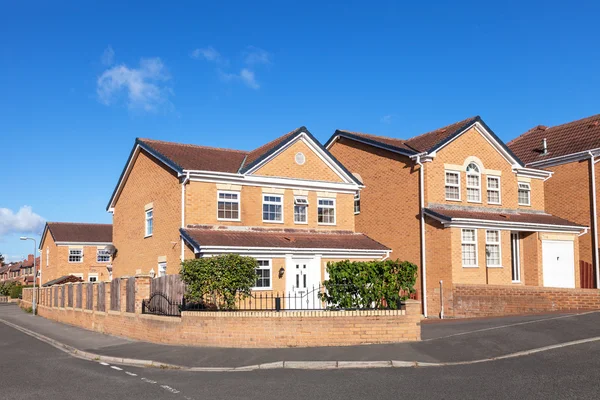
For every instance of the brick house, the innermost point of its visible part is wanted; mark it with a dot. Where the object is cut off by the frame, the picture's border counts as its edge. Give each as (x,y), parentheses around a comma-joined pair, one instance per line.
(570,151)
(19,271)
(460,204)
(80,249)
(288,203)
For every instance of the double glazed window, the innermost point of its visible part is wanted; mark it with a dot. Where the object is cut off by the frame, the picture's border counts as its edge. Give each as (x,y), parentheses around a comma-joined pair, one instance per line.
(469,248)
(102,256)
(524,194)
(493,189)
(326,211)
(492,249)
(263,275)
(272,208)
(357,203)
(452,185)
(149,222)
(300,210)
(75,255)
(228,206)
(473,183)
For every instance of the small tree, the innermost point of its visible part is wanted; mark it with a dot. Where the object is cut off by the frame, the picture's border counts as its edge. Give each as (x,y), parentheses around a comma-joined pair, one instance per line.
(1,260)
(219,280)
(369,284)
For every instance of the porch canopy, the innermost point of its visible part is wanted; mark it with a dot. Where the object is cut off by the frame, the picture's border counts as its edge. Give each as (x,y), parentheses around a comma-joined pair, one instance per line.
(517,220)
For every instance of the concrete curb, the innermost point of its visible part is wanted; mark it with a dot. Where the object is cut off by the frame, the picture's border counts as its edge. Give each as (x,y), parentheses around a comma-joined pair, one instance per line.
(302,365)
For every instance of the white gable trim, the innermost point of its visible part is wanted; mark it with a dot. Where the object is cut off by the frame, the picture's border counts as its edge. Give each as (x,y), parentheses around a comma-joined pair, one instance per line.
(316,149)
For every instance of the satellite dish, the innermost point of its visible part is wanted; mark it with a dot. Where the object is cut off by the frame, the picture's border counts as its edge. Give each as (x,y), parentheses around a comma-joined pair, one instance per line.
(110,249)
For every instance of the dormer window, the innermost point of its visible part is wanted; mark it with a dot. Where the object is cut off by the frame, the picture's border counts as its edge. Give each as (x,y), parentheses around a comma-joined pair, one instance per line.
(473,183)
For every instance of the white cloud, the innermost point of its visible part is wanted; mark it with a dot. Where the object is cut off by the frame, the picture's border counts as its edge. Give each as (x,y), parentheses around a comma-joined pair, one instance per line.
(23,221)
(209,54)
(245,76)
(145,86)
(386,119)
(108,57)
(255,56)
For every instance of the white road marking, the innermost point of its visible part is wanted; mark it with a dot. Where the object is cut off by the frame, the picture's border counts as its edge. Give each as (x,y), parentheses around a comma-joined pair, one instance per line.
(148,380)
(130,373)
(117,368)
(103,363)
(170,389)
(509,325)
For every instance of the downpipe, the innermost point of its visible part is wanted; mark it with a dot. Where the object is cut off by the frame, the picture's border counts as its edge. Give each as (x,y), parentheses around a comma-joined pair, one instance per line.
(441,299)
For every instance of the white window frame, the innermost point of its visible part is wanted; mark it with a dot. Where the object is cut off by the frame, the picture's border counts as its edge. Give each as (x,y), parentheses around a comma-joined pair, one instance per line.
(478,187)
(488,189)
(357,201)
(267,267)
(456,185)
(528,193)
(92,275)
(161,271)
(515,262)
(98,250)
(333,206)
(146,219)
(301,201)
(280,203)
(238,201)
(462,242)
(489,243)
(75,262)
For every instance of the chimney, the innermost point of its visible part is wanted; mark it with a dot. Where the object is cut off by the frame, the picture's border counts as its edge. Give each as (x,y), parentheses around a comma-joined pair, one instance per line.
(544,147)
(30,258)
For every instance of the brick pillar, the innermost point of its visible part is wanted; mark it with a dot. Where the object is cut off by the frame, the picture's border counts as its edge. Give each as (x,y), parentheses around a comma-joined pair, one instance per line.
(107,297)
(123,288)
(413,307)
(142,291)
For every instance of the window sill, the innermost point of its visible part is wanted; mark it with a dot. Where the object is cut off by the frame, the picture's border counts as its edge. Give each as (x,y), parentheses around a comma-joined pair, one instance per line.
(301,223)
(327,224)
(272,222)
(457,200)
(470,266)
(147,236)
(525,205)
(474,201)
(494,204)
(356,213)
(229,220)
(495,266)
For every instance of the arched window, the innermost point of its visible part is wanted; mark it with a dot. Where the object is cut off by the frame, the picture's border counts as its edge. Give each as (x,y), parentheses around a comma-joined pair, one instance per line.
(473,183)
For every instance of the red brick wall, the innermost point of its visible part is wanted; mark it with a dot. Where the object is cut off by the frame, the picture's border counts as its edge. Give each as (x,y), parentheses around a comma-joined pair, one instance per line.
(485,301)
(242,329)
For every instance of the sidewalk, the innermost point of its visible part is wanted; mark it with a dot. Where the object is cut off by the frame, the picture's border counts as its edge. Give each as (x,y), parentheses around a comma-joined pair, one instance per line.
(444,341)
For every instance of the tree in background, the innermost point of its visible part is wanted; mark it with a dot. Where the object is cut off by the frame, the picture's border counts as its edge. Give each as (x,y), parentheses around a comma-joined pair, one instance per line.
(218,281)
(1,260)
(369,284)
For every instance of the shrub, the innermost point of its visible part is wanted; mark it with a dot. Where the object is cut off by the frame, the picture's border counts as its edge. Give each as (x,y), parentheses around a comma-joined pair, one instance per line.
(369,284)
(218,280)
(16,291)
(5,288)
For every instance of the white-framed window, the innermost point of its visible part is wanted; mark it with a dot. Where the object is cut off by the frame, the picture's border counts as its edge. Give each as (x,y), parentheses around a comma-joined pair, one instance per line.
(452,185)
(92,277)
(75,255)
(272,208)
(493,190)
(102,256)
(326,211)
(149,222)
(263,275)
(300,210)
(357,203)
(469,247)
(228,206)
(473,183)
(524,194)
(493,255)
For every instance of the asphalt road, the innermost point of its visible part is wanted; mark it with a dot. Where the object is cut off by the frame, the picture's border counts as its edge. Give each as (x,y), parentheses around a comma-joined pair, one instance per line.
(30,369)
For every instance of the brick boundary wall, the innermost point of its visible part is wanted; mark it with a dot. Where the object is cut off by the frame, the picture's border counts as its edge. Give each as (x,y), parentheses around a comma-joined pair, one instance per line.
(491,300)
(261,329)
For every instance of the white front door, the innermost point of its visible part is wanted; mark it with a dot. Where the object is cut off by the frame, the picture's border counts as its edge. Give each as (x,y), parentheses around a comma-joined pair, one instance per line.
(558,263)
(302,284)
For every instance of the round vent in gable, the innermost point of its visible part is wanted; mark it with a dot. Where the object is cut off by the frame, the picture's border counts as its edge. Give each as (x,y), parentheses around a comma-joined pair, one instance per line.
(300,158)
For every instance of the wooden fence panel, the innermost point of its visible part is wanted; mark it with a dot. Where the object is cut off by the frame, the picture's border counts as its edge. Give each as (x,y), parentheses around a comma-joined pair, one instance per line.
(169,285)
(63,293)
(115,295)
(70,296)
(79,295)
(101,301)
(89,297)
(586,275)
(130,295)
(55,289)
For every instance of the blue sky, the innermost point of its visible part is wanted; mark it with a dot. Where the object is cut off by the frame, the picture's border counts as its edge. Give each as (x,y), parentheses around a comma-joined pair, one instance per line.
(78,82)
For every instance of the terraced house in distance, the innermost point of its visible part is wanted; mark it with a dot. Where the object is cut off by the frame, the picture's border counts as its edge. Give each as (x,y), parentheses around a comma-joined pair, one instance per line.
(570,151)
(288,203)
(460,204)
(77,249)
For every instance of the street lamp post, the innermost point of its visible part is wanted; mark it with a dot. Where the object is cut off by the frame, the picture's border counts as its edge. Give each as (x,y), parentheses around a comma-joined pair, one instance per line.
(33,306)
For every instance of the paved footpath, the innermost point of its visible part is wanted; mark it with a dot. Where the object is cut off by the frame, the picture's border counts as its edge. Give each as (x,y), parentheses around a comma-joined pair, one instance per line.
(448,341)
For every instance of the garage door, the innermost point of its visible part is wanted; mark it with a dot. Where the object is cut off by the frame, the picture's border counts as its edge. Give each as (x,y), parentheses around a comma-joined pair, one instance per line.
(558,263)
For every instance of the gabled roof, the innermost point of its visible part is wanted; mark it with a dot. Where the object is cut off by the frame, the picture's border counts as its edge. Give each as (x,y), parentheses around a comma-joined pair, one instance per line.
(570,138)
(188,157)
(425,143)
(78,232)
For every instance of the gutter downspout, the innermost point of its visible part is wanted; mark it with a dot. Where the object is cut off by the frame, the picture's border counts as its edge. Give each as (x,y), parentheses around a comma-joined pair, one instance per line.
(595,220)
(185,181)
(422,213)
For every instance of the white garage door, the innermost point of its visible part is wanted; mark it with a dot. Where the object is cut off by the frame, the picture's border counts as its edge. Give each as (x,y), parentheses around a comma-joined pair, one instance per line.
(557,258)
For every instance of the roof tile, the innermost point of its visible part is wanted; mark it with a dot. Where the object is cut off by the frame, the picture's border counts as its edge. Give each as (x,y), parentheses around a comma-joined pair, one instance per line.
(80,232)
